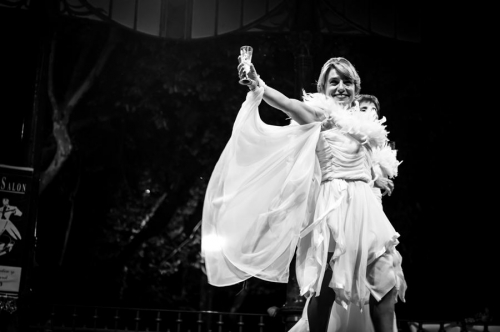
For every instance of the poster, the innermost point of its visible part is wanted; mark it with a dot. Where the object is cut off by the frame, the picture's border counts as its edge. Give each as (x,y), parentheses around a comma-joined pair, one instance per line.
(15,192)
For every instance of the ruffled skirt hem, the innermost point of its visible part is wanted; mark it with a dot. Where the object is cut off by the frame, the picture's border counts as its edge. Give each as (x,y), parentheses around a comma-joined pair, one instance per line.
(362,240)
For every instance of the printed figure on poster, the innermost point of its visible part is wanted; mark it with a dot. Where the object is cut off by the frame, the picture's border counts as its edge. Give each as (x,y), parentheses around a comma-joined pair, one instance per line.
(6,211)
(15,189)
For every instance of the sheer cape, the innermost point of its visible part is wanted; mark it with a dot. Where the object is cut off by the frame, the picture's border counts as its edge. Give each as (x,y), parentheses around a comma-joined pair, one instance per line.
(260,195)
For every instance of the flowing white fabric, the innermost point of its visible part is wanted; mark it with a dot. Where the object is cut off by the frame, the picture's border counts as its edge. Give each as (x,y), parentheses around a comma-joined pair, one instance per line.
(258,199)
(351,319)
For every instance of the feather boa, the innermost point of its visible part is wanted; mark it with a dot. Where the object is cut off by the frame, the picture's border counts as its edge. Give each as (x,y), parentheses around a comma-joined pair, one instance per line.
(353,121)
(385,157)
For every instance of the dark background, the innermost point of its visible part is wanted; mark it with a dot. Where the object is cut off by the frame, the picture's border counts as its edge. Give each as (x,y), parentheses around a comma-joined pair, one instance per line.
(432,94)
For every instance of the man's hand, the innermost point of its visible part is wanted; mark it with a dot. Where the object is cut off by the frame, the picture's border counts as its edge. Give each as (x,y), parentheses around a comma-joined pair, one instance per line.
(387,185)
(273,311)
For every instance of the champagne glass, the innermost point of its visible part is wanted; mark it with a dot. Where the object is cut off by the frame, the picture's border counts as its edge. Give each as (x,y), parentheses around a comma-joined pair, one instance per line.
(246,58)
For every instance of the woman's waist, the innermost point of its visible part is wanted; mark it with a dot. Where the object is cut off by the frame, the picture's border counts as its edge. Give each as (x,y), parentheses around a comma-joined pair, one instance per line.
(358,173)
(347,176)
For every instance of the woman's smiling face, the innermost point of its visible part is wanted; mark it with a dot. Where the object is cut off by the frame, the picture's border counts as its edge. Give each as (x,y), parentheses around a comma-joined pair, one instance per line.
(339,87)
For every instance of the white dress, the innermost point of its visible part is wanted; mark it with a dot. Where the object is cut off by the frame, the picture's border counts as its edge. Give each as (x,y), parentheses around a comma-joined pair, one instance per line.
(385,164)
(278,189)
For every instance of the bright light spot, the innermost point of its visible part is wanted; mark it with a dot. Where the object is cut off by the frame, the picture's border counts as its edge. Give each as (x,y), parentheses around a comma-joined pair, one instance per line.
(212,243)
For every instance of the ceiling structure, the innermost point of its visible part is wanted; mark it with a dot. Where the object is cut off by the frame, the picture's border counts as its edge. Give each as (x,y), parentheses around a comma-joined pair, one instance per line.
(195,19)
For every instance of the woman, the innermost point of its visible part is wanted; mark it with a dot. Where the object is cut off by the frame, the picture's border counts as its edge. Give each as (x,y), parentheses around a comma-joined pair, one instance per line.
(277,190)
(384,167)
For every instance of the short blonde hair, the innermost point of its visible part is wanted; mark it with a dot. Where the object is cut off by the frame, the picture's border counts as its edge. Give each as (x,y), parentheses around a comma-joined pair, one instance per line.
(343,67)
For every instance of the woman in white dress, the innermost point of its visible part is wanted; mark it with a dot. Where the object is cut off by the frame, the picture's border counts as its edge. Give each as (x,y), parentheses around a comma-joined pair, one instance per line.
(305,189)
(384,168)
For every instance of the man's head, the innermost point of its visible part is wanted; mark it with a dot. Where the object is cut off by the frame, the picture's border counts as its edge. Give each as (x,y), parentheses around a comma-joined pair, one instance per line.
(368,103)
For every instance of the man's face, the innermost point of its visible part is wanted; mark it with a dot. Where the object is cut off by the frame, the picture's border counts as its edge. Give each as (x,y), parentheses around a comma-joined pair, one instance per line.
(339,87)
(369,107)
(5,201)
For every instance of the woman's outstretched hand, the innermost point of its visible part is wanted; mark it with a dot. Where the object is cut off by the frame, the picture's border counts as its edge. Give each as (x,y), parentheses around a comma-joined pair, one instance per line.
(330,122)
(252,73)
(327,124)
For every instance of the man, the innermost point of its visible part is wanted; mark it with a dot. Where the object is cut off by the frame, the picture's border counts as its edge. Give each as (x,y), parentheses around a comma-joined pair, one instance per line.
(381,176)
(369,103)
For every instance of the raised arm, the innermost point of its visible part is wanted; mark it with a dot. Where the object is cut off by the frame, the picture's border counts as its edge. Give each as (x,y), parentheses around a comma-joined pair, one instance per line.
(295,109)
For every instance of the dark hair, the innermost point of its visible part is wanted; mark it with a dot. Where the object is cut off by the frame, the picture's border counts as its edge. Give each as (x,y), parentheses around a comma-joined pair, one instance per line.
(343,67)
(371,99)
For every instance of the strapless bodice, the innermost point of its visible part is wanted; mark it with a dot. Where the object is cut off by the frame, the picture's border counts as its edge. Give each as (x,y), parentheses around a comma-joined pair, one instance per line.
(343,157)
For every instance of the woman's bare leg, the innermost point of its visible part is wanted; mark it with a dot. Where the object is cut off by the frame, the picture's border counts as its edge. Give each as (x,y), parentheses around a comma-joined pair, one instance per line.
(320,307)
(382,312)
